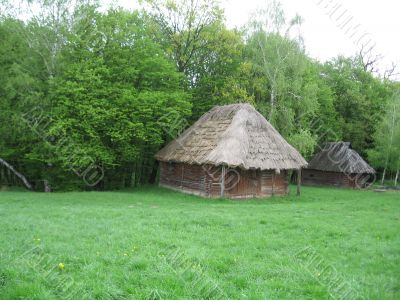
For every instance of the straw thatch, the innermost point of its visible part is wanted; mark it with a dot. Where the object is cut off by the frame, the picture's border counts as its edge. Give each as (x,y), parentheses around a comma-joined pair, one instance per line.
(234,135)
(339,157)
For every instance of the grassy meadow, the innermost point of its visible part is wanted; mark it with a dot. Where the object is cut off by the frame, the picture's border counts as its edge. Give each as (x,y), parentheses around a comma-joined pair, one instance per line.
(152,243)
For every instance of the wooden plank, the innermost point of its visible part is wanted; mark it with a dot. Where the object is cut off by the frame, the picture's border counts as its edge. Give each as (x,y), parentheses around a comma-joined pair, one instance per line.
(222,181)
(317,177)
(298,181)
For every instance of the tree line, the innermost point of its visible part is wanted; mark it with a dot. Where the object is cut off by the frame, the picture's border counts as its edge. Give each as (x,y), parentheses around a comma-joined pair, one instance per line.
(83,89)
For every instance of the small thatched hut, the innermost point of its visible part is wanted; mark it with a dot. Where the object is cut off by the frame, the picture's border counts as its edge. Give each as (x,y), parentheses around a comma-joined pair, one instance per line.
(338,165)
(231,151)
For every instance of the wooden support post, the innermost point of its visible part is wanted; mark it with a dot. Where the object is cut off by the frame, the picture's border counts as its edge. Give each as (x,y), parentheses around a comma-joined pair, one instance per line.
(183,165)
(273,182)
(222,181)
(298,181)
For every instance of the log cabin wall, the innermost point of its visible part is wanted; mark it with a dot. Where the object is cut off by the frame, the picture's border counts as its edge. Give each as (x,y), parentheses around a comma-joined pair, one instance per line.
(183,177)
(242,184)
(274,184)
(205,181)
(317,177)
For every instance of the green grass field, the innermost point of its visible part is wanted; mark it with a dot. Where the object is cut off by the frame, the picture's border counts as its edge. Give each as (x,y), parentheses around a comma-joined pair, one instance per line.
(153,243)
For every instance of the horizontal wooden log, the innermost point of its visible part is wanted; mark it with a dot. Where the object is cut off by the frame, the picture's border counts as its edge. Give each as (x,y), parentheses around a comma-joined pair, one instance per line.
(205,180)
(317,177)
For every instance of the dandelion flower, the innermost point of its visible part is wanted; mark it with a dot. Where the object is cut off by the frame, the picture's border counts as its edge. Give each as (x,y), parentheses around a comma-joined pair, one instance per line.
(61,266)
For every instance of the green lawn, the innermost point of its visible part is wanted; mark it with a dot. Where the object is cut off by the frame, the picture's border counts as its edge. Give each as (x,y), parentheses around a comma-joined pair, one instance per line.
(152,243)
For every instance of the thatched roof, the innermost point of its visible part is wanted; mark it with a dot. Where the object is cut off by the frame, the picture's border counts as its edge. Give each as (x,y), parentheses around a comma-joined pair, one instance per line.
(339,157)
(235,135)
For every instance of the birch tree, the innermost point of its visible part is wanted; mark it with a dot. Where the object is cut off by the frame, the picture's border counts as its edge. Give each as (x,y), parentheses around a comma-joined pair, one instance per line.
(48,22)
(386,153)
(285,83)
(277,43)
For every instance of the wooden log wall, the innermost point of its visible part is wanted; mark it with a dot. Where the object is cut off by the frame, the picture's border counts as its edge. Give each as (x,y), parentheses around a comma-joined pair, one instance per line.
(274,184)
(247,186)
(317,177)
(206,181)
(185,177)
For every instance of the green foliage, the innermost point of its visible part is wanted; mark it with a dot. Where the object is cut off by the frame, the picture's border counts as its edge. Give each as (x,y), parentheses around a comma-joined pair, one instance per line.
(359,99)
(21,89)
(304,142)
(288,90)
(109,97)
(81,87)
(195,37)
(386,151)
(111,87)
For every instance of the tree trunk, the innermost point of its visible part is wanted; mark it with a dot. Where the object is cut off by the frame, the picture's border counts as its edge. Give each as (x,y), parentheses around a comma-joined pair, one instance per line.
(153,174)
(47,187)
(272,105)
(383,176)
(19,175)
(396,178)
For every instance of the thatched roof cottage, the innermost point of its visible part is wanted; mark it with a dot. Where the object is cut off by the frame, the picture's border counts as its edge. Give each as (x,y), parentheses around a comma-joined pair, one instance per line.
(231,151)
(337,164)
